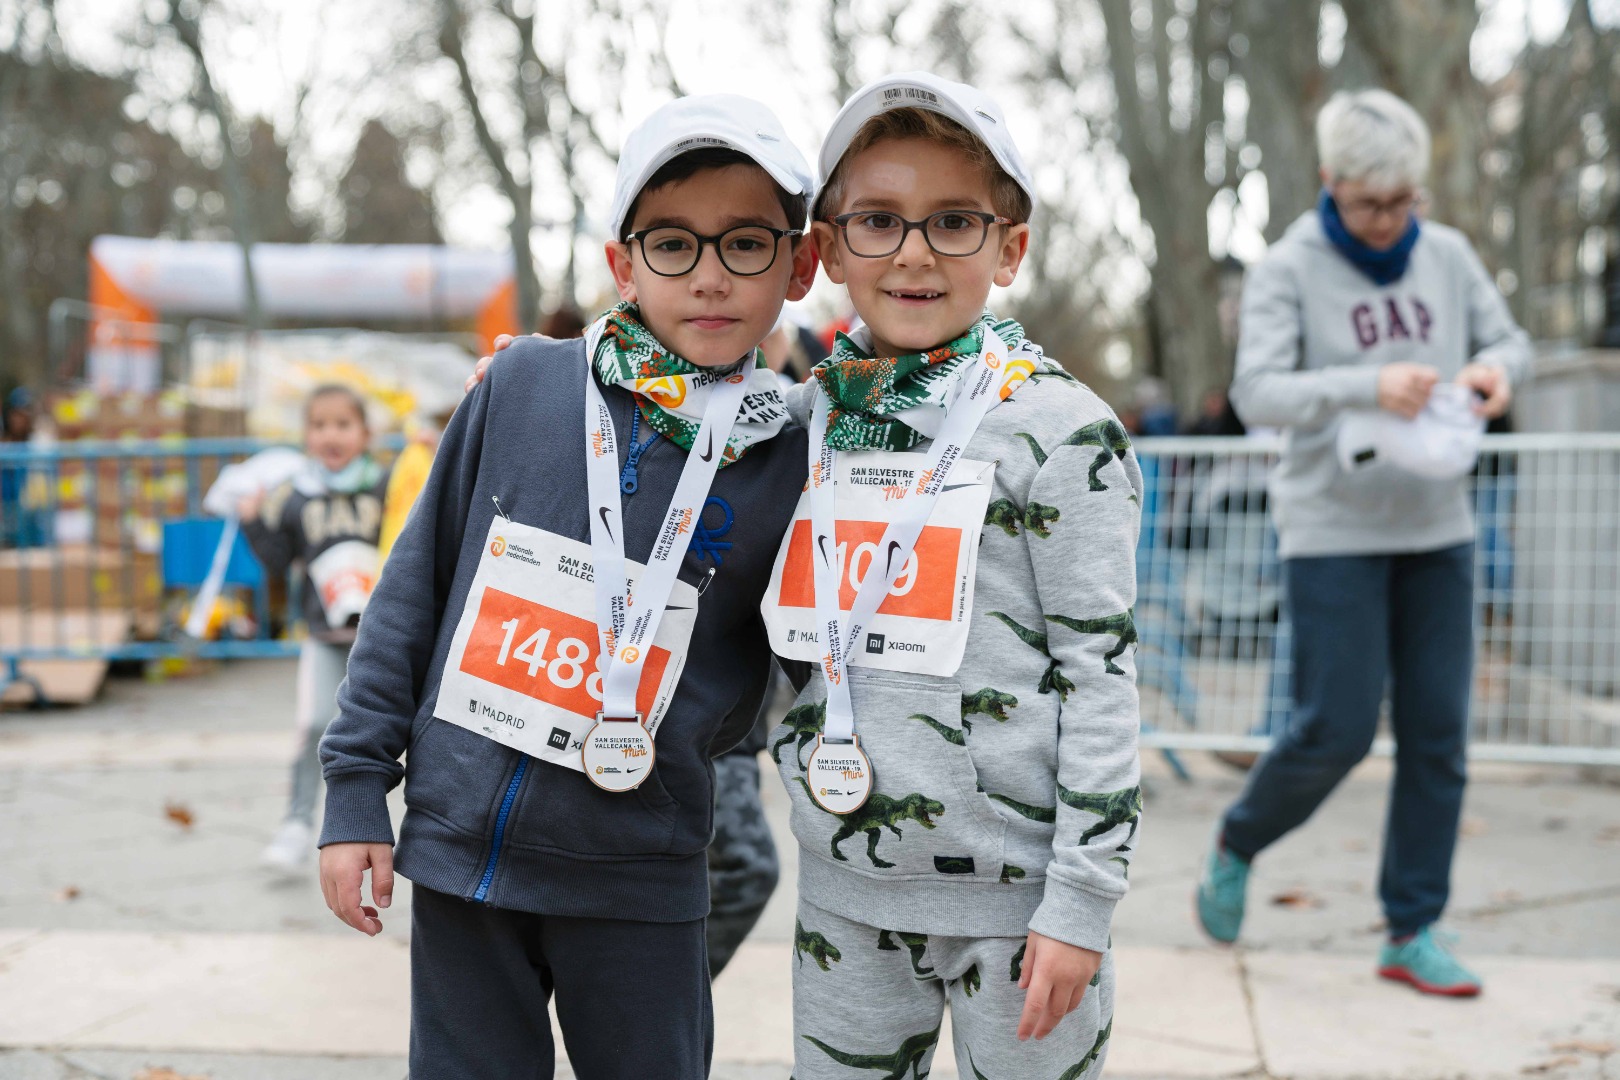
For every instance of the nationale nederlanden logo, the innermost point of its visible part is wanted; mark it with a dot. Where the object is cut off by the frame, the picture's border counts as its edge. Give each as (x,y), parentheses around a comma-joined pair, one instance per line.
(497,547)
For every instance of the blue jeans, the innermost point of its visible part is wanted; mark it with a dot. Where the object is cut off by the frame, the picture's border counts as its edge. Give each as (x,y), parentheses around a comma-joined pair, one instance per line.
(1361,622)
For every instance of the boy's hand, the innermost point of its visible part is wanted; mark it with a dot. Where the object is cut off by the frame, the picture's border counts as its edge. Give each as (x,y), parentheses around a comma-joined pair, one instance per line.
(1055,976)
(501,342)
(342,866)
(1403,388)
(248,506)
(1490,382)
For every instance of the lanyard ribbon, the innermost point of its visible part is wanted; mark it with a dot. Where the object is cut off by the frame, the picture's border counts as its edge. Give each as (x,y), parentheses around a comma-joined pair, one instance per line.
(980,391)
(627,620)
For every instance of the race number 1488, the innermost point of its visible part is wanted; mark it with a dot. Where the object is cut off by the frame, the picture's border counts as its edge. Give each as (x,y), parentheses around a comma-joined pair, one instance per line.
(546,654)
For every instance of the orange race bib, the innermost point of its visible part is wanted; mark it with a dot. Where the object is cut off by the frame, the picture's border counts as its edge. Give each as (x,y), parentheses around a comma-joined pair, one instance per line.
(525,663)
(921,625)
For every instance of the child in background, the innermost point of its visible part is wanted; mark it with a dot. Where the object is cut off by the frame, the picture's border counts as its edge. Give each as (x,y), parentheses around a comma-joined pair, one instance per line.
(327,519)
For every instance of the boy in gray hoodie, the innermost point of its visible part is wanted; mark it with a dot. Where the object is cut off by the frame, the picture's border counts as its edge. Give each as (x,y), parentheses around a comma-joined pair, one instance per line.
(963,768)
(556,848)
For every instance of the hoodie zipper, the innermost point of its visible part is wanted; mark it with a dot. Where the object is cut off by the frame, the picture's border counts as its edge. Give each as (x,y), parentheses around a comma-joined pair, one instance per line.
(500,829)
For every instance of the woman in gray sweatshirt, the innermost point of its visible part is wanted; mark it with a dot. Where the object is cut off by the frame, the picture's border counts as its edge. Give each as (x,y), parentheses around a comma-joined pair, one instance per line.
(1362,306)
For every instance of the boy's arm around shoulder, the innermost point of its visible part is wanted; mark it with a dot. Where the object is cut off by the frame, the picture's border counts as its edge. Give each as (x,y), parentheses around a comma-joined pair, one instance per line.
(275,533)
(1085,581)
(390,662)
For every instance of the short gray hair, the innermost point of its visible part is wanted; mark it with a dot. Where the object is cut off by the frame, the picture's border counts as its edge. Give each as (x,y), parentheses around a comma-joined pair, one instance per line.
(1374,137)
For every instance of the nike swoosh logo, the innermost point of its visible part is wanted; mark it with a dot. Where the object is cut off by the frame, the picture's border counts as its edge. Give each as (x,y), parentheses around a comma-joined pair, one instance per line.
(888,560)
(606,524)
(708,451)
(821,542)
(953,487)
(631,772)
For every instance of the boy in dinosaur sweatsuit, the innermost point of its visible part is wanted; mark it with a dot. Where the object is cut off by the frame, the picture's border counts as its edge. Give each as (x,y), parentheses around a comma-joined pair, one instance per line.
(984,867)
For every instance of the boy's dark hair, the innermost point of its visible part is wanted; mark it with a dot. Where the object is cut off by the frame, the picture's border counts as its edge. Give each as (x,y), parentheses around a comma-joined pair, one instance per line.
(689,164)
(1009,199)
(338,390)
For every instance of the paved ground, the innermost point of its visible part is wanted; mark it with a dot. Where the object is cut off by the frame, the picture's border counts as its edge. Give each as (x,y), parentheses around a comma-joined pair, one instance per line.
(139,941)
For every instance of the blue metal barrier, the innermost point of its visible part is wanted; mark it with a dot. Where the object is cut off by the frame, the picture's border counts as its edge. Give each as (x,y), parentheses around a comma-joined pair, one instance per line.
(97,539)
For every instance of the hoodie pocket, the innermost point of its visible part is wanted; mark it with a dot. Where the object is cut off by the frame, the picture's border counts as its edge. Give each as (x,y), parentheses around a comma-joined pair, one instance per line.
(566,812)
(927,817)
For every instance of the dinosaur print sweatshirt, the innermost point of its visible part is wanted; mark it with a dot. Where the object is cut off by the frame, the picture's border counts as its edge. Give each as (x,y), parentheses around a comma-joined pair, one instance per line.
(1007,795)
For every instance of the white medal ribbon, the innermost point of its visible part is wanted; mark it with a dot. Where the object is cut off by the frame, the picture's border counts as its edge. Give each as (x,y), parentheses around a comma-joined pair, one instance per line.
(626,623)
(980,391)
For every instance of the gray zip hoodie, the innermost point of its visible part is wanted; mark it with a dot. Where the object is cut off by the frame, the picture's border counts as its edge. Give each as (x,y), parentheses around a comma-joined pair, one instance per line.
(1006,796)
(1315,331)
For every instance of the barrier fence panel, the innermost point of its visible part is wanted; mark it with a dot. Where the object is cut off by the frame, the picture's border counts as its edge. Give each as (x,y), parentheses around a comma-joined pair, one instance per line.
(102,544)
(1212,659)
(84,573)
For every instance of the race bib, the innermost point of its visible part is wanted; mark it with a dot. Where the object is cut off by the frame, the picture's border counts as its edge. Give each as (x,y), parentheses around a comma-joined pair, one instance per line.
(921,626)
(524,663)
(344,575)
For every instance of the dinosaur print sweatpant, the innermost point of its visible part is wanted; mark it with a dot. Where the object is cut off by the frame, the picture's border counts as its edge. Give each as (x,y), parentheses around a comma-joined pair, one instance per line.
(868,1002)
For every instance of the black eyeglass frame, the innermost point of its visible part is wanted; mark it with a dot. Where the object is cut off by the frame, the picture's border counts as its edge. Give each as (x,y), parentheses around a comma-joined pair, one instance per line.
(984,219)
(713,240)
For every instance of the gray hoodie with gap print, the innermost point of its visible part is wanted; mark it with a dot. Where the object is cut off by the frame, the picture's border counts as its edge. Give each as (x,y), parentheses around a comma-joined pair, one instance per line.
(1006,796)
(1315,332)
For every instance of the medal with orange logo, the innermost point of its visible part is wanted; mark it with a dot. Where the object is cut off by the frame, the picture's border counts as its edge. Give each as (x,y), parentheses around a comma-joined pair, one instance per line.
(839,774)
(618,751)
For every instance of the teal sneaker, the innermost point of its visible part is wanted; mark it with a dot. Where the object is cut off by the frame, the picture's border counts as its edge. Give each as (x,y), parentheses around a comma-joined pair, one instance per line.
(1221,894)
(1424,960)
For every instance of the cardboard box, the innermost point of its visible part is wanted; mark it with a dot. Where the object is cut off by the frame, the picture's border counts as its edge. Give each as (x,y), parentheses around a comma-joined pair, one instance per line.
(72,577)
(64,682)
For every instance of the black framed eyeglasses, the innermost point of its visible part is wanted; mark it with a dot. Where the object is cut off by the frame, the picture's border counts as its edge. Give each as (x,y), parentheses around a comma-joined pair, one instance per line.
(746,250)
(876,234)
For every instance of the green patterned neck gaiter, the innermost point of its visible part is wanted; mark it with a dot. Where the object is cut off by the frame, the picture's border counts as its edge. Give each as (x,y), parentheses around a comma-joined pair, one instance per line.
(869,393)
(672,393)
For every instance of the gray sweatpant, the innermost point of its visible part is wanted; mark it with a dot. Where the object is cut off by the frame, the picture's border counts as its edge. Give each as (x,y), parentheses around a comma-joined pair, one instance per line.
(866,998)
(321,667)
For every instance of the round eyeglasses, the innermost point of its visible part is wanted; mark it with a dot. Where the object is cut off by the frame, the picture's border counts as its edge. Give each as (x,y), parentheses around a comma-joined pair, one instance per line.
(747,250)
(876,234)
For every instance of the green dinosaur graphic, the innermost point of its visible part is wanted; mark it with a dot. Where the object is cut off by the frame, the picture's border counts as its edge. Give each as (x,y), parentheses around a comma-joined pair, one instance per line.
(1124,866)
(1011,873)
(1079,1070)
(977,1075)
(1005,513)
(970,980)
(989,701)
(1052,373)
(1122,807)
(804,723)
(1096,976)
(1053,679)
(880,812)
(1122,626)
(909,1055)
(916,944)
(1106,435)
(1039,517)
(1047,814)
(1034,448)
(1008,515)
(1017,969)
(820,949)
(954,736)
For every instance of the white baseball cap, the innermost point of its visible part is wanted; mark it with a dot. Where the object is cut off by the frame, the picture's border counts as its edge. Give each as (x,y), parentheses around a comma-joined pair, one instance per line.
(970,107)
(707,120)
(1441,443)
